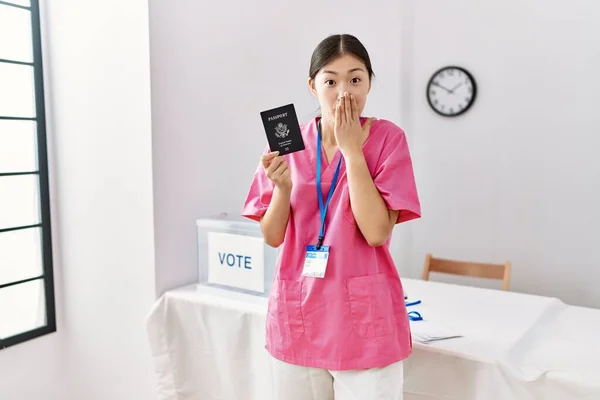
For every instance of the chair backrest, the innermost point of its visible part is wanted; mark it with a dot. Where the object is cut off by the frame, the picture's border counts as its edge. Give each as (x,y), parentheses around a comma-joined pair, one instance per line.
(466,268)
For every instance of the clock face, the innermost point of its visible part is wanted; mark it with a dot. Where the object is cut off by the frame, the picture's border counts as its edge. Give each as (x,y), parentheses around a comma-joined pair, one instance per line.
(451,91)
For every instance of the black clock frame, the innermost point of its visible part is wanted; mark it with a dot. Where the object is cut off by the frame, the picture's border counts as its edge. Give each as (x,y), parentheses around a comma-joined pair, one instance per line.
(473,96)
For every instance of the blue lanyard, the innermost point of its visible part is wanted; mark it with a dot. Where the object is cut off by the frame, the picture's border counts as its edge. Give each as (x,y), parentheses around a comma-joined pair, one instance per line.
(323,207)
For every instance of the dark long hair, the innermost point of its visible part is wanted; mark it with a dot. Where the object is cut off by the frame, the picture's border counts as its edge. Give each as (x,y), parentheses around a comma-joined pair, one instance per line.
(335,46)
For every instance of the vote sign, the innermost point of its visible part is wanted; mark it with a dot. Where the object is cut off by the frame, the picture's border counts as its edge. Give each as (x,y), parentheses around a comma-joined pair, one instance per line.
(236,261)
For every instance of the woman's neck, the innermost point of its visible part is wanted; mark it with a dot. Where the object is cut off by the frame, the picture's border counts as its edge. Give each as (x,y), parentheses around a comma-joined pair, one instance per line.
(327,133)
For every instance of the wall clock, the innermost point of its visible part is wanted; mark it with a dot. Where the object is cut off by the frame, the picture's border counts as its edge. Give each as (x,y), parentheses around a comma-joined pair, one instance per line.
(451,91)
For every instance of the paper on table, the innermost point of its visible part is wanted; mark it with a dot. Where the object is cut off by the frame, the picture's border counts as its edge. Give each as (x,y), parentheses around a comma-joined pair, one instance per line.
(426,331)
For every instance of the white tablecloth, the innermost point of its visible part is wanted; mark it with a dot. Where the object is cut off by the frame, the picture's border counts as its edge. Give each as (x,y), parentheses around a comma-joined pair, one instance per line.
(208,343)
(560,357)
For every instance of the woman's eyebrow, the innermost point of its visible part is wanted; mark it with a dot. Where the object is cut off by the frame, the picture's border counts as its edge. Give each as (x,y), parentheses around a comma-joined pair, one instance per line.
(349,71)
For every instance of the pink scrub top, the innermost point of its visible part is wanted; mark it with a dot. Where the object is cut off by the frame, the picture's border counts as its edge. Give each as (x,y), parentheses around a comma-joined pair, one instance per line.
(355,317)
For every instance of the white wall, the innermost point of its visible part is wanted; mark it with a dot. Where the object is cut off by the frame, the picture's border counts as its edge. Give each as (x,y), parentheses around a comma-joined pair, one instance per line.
(514,178)
(518,176)
(213,70)
(100,85)
(34,370)
(98,88)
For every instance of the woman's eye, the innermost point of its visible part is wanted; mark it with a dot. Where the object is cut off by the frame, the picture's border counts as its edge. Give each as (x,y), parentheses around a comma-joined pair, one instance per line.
(355,80)
(329,82)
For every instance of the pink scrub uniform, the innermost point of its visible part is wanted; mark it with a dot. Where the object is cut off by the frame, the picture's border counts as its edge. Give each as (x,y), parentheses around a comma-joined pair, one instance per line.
(354,317)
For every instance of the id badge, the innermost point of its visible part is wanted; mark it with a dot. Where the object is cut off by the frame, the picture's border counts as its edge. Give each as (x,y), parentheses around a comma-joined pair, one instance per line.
(315,262)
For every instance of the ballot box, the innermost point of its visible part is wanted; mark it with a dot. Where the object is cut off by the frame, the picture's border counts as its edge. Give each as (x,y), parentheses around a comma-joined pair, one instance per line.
(232,254)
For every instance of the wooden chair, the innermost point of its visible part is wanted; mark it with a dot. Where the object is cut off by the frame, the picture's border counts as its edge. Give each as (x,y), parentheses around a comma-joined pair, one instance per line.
(465,268)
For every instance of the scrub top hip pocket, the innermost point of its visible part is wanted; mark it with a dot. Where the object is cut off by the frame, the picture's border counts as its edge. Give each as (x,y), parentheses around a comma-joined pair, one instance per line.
(371,305)
(284,316)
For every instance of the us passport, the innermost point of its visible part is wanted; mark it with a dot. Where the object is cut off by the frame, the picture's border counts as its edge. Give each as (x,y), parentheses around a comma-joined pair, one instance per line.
(282,129)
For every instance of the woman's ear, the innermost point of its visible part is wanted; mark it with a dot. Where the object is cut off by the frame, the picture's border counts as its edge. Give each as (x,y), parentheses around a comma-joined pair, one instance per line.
(311,87)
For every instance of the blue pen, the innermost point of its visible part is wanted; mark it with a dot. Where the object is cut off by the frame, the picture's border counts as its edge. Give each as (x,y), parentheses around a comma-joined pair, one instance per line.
(415,316)
(414,303)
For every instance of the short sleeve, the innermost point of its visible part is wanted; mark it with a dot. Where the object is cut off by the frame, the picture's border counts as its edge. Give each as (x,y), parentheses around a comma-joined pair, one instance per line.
(394,177)
(259,195)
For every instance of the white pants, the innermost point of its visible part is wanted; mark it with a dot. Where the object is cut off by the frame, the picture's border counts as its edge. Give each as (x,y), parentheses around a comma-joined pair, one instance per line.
(293,382)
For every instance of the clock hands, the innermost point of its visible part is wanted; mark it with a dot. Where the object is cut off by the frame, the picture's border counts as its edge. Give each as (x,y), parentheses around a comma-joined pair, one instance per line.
(455,87)
(451,91)
(438,85)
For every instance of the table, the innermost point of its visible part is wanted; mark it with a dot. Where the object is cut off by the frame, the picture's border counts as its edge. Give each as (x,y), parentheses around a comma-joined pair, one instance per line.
(560,358)
(208,343)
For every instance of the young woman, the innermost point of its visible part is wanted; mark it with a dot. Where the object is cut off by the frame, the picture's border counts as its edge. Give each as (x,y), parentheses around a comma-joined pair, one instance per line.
(337,325)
